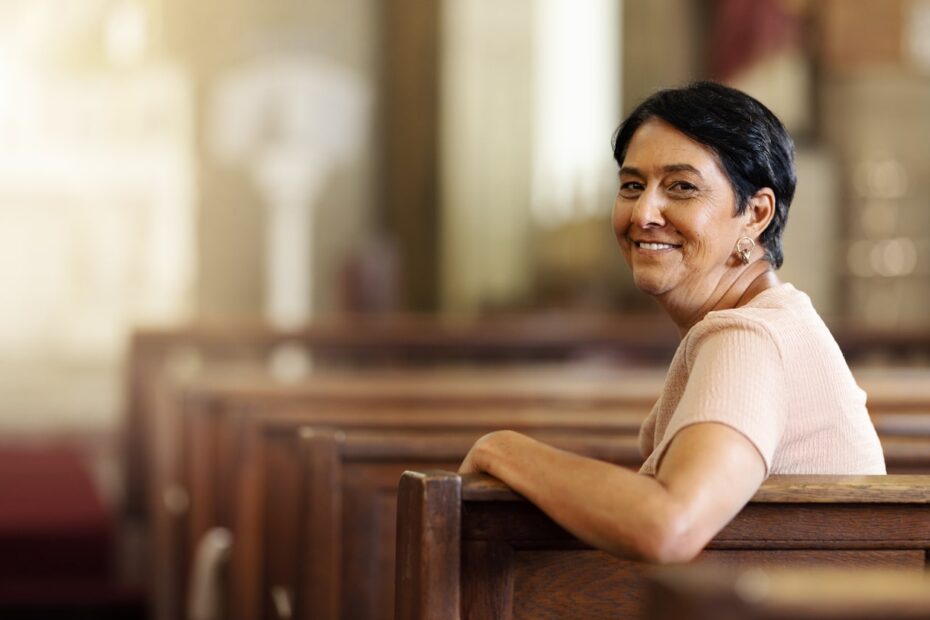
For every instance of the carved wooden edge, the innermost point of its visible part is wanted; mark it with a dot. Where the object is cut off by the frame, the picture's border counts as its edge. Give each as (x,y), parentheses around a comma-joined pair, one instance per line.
(906,489)
(319,592)
(428,546)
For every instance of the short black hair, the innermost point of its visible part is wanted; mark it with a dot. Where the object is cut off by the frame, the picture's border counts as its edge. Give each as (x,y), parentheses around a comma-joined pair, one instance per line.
(751,143)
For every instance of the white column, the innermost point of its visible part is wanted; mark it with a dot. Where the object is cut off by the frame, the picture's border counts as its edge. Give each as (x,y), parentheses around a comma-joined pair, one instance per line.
(289,184)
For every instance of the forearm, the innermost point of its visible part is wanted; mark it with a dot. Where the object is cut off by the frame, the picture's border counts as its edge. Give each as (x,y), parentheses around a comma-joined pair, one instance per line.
(605,505)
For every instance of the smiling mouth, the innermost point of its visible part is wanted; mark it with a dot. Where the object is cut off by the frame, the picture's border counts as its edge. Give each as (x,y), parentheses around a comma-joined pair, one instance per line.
(644,245)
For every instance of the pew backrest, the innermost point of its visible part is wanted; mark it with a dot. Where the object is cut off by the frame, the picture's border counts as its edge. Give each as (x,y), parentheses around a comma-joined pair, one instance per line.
(471,548)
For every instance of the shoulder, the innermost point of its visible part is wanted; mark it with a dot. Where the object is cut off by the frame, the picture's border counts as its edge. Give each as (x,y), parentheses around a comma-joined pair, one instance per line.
(732,335)
(764,325)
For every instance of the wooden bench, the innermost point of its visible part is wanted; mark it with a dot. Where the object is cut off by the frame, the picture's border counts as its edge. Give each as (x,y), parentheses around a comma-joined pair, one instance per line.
(353,473)
(345,521)
(350,476)
(208,403)
(468,547)
(207,443)
(262,499)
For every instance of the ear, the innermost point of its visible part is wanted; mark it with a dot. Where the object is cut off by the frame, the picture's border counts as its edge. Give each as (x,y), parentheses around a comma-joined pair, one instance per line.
(759,212)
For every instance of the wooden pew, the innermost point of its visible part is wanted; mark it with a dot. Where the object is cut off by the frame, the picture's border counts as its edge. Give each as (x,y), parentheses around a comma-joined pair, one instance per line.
(468,547)
(351,477)
(208,443)
(332,399)
(787,594)
(178,526)
(261,500)
(347,554)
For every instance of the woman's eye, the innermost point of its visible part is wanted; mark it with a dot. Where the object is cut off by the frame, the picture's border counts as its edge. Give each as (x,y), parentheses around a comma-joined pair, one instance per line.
(631,187)
(683,187)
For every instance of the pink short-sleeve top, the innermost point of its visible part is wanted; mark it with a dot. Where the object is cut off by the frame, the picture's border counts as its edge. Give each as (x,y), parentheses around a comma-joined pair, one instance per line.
(772,371)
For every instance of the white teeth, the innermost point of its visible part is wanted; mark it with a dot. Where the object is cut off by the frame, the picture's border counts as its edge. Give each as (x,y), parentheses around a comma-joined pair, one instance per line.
(655,246)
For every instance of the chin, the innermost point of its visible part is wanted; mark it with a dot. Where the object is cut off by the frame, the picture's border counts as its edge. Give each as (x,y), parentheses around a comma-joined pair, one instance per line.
(649,286)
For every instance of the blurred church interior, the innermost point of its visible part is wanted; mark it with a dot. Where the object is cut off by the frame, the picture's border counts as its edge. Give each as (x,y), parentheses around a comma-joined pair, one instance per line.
(271,167)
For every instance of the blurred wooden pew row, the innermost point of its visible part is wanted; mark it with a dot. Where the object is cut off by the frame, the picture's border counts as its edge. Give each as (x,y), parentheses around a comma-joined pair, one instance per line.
(215,425)
(352,342)
(469,547)
(699,593)
(236,427)
(157,355)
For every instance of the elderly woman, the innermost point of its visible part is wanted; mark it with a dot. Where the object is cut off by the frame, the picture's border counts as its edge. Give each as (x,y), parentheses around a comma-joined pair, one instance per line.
(758,386)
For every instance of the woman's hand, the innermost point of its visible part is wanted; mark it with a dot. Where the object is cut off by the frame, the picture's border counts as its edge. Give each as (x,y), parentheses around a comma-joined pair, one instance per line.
(480,456)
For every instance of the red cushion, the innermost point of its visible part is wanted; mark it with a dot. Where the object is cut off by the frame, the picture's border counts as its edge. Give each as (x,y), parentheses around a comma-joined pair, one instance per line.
(53,523)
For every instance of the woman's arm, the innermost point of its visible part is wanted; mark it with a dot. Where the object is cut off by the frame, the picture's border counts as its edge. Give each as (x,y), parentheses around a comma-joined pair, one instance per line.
(707,475)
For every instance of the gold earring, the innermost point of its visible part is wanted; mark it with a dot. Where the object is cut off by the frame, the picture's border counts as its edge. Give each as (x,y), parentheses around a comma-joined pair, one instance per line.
(744,248)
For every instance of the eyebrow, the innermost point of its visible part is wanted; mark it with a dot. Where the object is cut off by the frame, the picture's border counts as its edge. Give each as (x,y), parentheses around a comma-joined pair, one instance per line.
(666,169)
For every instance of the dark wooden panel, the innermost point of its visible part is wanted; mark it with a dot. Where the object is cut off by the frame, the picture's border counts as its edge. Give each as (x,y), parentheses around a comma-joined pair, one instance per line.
(362,548)
(545,589)
(282,475)
(367,540)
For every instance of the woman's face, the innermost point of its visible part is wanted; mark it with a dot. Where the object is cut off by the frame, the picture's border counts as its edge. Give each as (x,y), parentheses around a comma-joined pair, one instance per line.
(674,216)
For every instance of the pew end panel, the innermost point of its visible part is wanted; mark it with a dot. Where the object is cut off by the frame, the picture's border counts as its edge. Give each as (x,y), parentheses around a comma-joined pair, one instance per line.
(428,546)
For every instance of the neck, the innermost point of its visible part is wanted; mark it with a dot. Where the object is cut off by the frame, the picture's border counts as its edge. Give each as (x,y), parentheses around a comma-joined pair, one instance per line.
(749,282)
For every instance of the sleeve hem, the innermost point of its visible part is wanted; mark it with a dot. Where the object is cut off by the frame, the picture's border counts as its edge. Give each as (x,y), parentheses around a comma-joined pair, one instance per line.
(662,448)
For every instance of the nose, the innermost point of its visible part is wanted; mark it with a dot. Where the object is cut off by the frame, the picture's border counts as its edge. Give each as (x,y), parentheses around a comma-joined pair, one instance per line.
(647,210)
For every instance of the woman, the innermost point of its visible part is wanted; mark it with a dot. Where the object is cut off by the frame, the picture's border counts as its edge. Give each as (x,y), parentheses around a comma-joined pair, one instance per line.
(757,386)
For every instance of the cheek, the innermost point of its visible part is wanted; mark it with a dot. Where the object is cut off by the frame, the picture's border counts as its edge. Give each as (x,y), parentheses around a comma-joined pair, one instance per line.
(620,218)
(707,232)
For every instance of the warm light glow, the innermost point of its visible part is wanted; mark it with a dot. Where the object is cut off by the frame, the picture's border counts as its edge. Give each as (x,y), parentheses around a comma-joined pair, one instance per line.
(96,201)
(126,32)
(577,76)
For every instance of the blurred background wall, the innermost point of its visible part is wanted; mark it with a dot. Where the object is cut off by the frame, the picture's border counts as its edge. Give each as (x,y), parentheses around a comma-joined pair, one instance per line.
(167,162)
